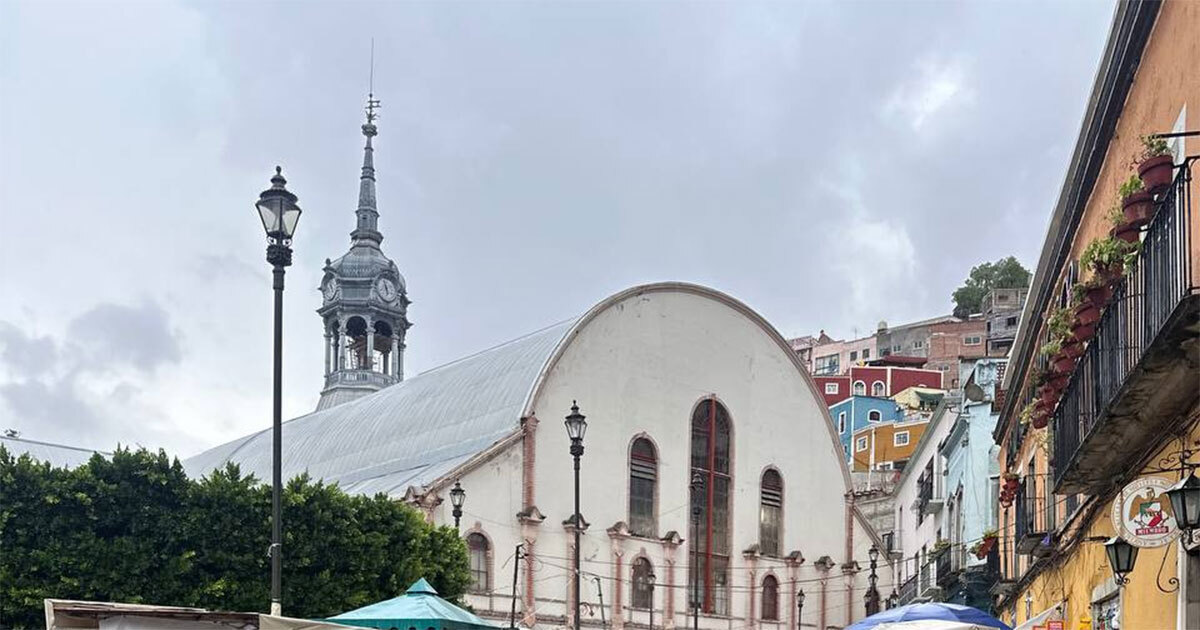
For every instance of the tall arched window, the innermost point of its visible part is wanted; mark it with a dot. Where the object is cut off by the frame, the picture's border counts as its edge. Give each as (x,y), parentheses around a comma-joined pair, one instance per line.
(770,598)
(877,389)
(643,480)
(477,550)
(710,458)
(642,584)
(860,388)
(770,512)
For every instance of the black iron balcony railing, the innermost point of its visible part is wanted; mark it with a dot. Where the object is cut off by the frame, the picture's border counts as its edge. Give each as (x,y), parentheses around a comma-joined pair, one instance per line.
(908,590)
(1030,523)
(1102,420)
(947,573)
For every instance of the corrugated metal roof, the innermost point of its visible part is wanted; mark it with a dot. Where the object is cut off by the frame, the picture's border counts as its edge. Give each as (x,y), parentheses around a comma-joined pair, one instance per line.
(59,455)
(407,434)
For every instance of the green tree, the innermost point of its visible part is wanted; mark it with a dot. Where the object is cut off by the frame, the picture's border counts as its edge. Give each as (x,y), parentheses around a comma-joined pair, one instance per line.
(1006,273)
(134,528)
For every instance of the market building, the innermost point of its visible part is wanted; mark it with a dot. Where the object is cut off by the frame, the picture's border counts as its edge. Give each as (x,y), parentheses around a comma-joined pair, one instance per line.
(1100,410)
(710,471)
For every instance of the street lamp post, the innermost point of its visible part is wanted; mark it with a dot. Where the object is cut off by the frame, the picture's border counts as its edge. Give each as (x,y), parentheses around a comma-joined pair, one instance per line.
(697,487)
(458,496)
(800,609)
(279,213)
(872,596)
(576,427)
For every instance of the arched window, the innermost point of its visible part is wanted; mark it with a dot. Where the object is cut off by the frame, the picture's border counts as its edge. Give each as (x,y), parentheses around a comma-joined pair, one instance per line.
(770,598)
(874,415)
(860,388)
(477,550)
(710,459)
(770,512)
(878,389)
(643,479)
(642,584)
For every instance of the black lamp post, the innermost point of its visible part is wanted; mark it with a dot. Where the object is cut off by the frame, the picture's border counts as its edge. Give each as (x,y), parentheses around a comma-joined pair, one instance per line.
(458,496)
(697,488)
(872,595)
(1121,557)
(279,213)
(650,585)
(1185,504)
(576,427)
(800,609)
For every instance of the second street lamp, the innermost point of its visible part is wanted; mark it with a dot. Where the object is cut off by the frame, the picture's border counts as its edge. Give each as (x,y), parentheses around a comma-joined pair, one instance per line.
(576,424)
(458,496)
(872,595)
(697,487)
(800,609)
(650,585)
(279,214)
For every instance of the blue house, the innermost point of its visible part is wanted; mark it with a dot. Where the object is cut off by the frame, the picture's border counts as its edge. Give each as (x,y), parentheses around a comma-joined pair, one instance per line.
(857,412)
(972,481)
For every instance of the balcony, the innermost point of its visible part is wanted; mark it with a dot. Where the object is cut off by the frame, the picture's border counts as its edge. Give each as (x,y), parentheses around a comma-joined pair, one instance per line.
(908,590)
(947,566)
(1138,373)
(366,378)
(1031,529)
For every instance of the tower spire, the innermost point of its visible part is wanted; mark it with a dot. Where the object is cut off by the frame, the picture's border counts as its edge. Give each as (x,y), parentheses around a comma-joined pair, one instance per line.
(366,229)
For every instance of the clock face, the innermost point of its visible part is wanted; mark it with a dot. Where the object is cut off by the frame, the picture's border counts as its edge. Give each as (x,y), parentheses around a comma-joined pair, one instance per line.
(387,290)
(329,290)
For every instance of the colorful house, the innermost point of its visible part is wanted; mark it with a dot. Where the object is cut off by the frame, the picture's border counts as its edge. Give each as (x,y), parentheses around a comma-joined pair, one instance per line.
(857,412)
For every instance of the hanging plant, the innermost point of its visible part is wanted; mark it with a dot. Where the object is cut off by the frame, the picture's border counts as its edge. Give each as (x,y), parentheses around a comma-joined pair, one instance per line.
(1092,291)
(1105,257)
(1136,202)
(1156,165)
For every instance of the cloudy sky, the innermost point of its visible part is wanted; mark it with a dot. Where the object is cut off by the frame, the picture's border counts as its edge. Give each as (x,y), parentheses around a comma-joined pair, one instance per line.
(830,163)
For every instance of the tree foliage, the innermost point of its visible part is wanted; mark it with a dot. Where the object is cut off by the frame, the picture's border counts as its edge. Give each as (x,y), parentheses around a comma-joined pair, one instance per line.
(134,528)
(1006,273)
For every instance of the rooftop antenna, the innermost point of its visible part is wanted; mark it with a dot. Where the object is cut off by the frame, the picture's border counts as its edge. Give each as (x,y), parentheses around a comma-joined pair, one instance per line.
(372,102)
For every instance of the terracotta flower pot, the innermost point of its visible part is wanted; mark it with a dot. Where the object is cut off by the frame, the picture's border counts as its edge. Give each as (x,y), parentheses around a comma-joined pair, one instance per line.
(1127,232)
(1138,208)
(1073,349)
(1040,421)
(1082,333)
(1099,296)
(1156,172)
(1087,313)
(1063,364)
(1059,381)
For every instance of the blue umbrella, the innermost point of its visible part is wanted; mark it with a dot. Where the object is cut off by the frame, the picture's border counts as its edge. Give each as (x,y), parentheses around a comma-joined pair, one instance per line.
(933,610)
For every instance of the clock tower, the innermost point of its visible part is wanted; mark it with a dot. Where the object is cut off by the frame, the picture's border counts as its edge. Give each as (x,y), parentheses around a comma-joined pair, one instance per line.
(364,304)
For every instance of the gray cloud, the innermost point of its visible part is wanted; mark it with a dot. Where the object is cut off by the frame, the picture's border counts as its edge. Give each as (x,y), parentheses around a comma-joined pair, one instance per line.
(114,336)
(830,163)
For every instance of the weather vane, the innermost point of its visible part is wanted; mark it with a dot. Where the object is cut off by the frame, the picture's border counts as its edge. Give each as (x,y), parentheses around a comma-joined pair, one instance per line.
(372,102)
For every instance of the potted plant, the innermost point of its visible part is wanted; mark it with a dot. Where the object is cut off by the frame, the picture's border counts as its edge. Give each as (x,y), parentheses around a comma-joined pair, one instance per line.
(1092,291)
(1122,229)
(940,546)
(1156,165)
(985,545)
(1136,202)
(1105,257)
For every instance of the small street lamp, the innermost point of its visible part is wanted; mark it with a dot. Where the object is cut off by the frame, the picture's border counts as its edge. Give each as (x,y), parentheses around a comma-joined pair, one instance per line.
(697,487)
(576,427)
(1121,556)
(458,496)
(1185,504)
(872,595)
(279,214)
(800,609)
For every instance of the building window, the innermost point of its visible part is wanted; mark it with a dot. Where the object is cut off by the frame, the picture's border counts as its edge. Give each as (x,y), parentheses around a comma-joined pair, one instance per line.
(854,355)
(477,551)
(642,584)
(900,438)
(1011,321)
(896,348)
(919,343)
(826,365)
(841,423)
(831,388)
(770,512)
(643,479)
(878,389)
(710,458)
(866,353)
(860,388)
(874,415)
(860,445)
(972,340)
(770,598)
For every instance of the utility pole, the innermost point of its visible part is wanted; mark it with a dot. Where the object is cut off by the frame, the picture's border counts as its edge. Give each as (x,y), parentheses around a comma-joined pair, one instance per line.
(512,612)
(600,593)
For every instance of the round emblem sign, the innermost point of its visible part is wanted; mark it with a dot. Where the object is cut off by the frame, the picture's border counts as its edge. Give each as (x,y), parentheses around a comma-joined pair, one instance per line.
(1141,513)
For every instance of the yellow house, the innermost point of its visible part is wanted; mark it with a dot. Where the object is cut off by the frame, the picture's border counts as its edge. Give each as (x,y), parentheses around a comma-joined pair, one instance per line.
(886,446)
(1118,399)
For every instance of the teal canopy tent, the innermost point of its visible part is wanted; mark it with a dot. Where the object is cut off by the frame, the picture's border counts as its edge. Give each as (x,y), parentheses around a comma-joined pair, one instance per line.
(419,608)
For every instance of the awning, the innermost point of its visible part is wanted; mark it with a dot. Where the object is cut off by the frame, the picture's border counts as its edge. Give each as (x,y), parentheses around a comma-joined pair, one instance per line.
(1054,612)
